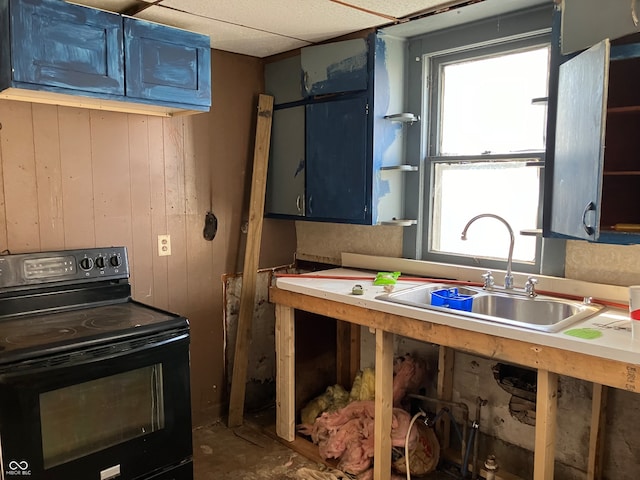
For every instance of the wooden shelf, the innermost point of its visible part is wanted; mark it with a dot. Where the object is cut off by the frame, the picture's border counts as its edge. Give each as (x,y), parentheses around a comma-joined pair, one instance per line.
(629,109)
(621,173)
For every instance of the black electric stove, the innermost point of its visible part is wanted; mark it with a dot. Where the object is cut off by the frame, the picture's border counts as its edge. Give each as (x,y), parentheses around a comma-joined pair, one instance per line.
(93,384)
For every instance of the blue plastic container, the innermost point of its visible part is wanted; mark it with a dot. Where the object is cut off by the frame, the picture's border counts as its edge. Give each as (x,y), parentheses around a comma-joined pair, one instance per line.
(450,298)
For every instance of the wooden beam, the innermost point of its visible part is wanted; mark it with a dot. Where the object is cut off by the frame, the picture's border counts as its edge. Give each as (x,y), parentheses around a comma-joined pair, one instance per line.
(446,357)
(546,414)
(596,436)
(348,353)
(251,258)
(383,405)
(285,373)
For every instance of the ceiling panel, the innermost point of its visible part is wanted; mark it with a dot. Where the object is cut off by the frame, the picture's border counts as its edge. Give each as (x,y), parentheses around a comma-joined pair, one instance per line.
(309,20)
(224,36)
(401,8)
(262,28)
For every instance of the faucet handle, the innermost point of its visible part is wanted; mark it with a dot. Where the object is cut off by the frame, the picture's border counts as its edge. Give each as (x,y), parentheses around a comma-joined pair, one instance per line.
(530,286)
(488,280)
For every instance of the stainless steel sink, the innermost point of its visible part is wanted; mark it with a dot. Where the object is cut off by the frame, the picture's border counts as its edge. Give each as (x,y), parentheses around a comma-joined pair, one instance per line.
(543,313)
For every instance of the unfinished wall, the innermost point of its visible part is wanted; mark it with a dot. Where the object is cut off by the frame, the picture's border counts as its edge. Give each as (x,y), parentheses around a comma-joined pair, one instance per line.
(75,178)
(324,242)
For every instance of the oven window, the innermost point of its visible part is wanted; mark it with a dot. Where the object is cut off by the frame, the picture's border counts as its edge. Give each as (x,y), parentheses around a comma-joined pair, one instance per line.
(88,417)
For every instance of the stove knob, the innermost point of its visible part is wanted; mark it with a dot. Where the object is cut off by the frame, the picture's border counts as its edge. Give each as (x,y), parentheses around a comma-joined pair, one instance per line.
(115,261)
(86,264)
(100,263)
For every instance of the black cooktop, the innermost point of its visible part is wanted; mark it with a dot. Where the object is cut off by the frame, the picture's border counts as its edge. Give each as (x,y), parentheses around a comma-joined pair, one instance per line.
(119,320)
(58,302)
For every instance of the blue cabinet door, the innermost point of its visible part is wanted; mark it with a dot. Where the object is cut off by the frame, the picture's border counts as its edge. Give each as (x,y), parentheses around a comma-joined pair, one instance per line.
(58,44)
(167,64)
(579,145)
(337,174)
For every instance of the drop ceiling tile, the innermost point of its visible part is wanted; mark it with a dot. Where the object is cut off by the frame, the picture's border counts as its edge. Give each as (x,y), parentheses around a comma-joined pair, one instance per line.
(309,20)
(224,36)
(401,8)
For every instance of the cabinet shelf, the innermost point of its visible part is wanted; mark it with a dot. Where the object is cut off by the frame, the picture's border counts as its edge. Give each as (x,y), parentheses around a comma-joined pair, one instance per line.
(403,117)
(401,168)
(399,222)
(624,173)
(628,109)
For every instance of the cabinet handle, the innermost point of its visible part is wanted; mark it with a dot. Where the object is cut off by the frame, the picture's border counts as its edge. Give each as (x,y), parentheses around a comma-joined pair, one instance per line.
(310,204)
(299,203)
(634,12)
(587,228)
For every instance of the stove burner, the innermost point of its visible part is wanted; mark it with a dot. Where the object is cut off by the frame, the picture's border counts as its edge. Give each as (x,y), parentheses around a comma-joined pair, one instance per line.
(36,335)
(111,318)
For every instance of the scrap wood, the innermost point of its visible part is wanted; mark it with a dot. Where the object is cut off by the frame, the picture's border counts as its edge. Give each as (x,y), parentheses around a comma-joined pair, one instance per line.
(251,258)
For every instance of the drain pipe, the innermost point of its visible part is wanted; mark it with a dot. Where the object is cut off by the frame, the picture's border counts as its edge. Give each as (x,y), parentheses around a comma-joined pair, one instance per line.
(492,467)
(476,424)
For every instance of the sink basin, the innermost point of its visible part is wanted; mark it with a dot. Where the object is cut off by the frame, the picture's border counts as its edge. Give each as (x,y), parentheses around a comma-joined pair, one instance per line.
(543,313)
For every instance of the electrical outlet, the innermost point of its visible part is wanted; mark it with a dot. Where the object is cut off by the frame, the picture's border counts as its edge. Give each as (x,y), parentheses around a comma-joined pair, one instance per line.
(164,245)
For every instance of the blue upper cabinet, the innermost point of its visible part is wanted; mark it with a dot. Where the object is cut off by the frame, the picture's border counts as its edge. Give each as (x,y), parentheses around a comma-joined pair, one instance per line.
(167,64)
(335,67)
(350,144)
(56,44)
(60,53)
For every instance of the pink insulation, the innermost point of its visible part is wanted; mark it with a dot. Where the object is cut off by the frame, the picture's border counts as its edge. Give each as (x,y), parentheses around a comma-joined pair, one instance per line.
(409,375)
(347,434)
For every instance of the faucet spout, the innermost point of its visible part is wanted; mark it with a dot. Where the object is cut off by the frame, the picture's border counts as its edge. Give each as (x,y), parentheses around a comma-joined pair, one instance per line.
(508,279)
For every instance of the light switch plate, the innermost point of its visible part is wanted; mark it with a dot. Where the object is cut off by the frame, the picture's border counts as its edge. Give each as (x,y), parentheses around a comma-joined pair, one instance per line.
(164,245)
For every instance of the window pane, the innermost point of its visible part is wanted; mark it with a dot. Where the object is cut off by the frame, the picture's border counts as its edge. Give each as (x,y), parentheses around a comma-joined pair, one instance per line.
(486,104)
(464,190)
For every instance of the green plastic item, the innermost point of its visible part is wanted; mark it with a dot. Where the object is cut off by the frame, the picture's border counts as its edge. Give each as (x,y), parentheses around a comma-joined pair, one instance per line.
(586,333)
(386,278)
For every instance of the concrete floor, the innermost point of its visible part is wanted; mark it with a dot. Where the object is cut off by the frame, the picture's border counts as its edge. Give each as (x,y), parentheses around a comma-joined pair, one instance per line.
(245,453)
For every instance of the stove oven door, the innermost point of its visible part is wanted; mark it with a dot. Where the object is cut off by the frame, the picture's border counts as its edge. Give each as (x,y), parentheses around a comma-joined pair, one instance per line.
(118,411)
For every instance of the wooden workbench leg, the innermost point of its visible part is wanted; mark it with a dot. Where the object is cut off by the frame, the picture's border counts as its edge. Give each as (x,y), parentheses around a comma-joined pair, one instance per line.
(546,413)
(384,405)
(348,353)
(446,357)
(285,373)
(596,437)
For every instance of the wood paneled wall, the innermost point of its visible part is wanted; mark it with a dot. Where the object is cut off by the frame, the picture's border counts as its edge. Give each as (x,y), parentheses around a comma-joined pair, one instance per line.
(74,178)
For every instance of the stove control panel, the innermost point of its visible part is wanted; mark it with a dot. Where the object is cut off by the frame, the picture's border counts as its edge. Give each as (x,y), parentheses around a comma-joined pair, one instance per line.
(68,266)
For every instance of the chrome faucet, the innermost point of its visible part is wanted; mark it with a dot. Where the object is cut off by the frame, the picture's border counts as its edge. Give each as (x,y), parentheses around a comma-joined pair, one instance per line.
(530,287)
(508,278)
